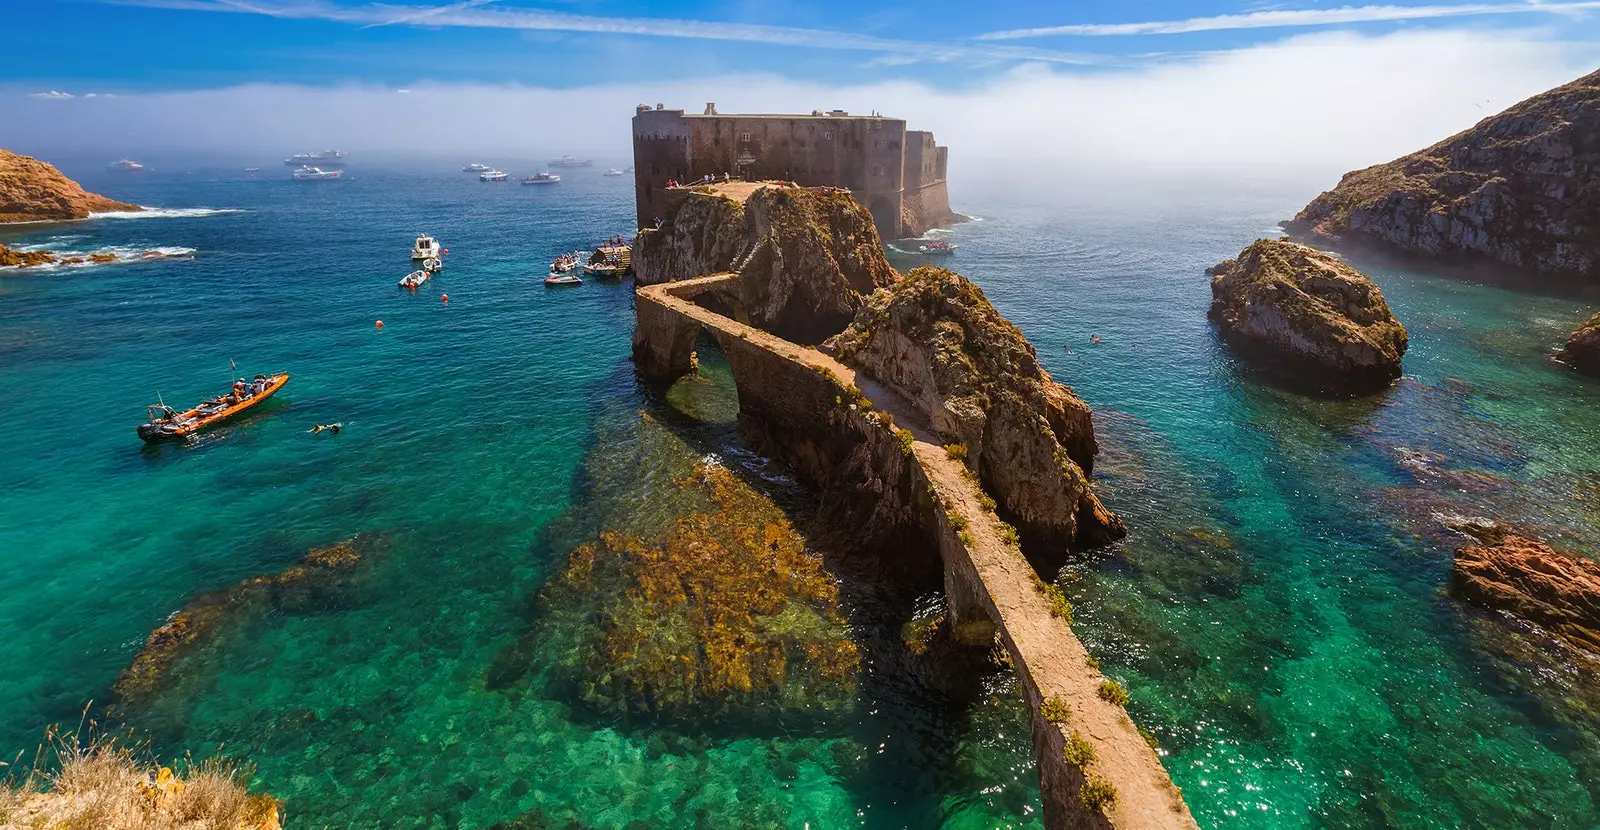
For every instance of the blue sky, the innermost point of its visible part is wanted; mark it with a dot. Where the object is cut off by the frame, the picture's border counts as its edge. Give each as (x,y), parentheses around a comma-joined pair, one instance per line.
(83,46)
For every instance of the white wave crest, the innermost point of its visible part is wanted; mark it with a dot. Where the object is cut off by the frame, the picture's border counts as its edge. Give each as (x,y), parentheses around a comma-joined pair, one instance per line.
(124,256)
(164,213)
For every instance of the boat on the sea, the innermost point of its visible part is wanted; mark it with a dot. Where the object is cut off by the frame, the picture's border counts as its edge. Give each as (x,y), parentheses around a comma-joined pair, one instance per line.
(564,264)
(426,247)
(166,423)
(476,168)
(415,278)
(562,279)
(937,248)
(491,176)
(252,170)
(571,161)
(612,172)
(326,158)
(125,166)
(432,266)
(541,177)
(603,270)
(307,173)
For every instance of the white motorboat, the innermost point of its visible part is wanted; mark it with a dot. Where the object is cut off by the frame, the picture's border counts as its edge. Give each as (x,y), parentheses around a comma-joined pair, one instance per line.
(414,279)
(432,266)
(476,168)
(307,173)
(571,161)
(612,172)
(491,176)
(562,279)
(426,247)
(126,166)
(603,269)
(541,177)
(326,158)
(564,264)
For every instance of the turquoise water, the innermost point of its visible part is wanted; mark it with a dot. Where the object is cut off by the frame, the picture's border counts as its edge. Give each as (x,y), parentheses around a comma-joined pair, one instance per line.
(1276,612)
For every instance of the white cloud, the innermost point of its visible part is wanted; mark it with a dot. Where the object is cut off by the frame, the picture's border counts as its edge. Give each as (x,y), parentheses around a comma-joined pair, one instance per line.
(52,95)
(1313,106)
(1288,18)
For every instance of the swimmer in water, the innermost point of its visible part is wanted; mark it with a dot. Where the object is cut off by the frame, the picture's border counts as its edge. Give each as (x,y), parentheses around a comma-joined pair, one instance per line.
(321,427)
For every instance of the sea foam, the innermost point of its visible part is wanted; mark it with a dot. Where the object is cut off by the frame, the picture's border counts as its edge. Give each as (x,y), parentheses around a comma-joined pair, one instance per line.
(164,213)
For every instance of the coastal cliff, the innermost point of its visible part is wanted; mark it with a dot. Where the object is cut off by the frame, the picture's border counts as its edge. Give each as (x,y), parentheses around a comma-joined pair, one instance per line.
(32,191)
(1583,348)
(1521,189)
(806,257)
(935,339)
(1307,317)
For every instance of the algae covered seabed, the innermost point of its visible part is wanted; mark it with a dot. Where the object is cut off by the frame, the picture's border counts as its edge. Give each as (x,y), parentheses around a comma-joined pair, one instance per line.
(1277,612)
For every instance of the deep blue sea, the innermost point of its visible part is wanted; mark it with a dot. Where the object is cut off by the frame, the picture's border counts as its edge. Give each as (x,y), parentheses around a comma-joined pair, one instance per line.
(1278,612)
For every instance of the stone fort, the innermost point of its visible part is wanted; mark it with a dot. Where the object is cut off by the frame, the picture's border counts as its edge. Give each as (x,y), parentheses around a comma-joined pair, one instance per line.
(899,174)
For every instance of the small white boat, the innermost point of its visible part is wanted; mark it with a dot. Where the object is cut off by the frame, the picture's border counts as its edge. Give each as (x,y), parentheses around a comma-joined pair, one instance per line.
(252,170)
(426,247)
(476,168)
(564,264)
(492,176)
(612,172)
(414,279)
(326,158)
(541,177)
(432,266)
(562,279)
(316,174)
(604,270)
(938,248)
(126,166)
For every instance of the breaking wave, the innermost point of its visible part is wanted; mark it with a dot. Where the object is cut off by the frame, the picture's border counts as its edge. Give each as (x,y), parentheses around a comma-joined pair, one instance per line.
(164,213)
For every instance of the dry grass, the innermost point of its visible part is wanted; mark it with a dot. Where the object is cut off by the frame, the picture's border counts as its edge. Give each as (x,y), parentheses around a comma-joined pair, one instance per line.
(104,784)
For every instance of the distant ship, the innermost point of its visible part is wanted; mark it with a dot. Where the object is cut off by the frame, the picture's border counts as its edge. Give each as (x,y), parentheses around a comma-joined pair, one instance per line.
(541,177)
(571,161)
(612,172)
(491,176)
(476,168)
(126,166)
(326,158)
(307,173)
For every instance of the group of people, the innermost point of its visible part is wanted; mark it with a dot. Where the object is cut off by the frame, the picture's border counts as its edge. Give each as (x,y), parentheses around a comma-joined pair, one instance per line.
(243,389)
(709,178)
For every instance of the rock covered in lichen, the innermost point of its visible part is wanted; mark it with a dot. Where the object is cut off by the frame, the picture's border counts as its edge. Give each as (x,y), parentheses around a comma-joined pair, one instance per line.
(31,190)
(935,339)
(728,611)
(1520,189)
(1309,317)
(1583,347)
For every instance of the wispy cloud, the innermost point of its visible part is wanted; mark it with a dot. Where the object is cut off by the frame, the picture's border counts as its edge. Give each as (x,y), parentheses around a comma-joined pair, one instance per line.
(1294,18)
(52,95)
(471,14)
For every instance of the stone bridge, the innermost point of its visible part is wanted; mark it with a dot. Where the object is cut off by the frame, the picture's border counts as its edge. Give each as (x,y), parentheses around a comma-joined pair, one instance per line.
(824,417)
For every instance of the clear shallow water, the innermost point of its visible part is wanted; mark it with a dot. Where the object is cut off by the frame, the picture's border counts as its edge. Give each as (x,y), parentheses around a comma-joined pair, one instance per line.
(1276,612)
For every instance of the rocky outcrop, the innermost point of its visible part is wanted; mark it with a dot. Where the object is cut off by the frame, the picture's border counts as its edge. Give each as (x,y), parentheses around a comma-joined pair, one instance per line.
(935,339)
(806,257)
(31,191)
(1532,580)
(308,584)
(1520,189)
(33,259)
(1306,316)
(1583,348)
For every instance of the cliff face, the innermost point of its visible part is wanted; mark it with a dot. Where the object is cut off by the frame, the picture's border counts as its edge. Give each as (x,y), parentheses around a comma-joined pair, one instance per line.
(31,190)
(936,340)
(1520,189)
(1583,348)
(1309,317)
(805,257)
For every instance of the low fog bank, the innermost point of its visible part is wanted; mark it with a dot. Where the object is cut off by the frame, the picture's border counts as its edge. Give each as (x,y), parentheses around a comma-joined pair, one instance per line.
(1295,113)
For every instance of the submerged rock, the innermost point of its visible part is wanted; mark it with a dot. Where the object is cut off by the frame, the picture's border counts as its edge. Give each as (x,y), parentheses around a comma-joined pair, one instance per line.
(806,257)
(935,339)
(25,259)
(1309,317)
(1519,189)
(309,583)
(728,611)
(31,191)
(1532,580)
(1583,348)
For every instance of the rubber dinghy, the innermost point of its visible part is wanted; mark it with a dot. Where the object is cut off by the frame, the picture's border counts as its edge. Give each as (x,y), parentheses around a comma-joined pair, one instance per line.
(166,424)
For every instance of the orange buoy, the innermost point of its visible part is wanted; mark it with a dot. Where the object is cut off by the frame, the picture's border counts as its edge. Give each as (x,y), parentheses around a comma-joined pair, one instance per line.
(444,298)
(380,324)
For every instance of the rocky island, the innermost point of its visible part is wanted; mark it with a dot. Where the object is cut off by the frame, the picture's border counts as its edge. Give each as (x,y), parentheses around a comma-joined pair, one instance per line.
(34,191)
(1583,348)
(1519,190)
(1307,317)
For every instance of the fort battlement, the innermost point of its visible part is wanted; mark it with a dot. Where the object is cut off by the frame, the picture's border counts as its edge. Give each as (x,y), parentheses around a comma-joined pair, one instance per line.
(898,174)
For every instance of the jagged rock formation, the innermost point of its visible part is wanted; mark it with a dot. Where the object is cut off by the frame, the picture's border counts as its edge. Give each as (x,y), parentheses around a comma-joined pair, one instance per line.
(1520,189)
(1583,348)
(935,339)
(31,190)
(1529,578)
(318,577)
(1307,316)
(806,257)
(33,259)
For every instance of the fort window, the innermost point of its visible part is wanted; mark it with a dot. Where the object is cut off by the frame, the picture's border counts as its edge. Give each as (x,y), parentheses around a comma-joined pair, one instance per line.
(827,135)
(744,136)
